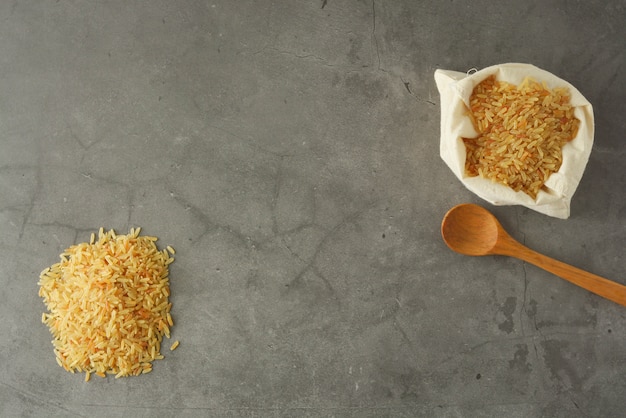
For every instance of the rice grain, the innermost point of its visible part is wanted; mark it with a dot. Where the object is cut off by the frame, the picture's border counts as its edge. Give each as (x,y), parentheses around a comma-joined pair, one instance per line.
(107,309)
(522,130)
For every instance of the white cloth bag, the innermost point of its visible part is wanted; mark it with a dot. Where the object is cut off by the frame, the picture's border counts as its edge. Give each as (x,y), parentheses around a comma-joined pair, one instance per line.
(455,89)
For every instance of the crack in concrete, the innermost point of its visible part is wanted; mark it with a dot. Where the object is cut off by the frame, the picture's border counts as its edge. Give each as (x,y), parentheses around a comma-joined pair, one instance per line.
(419,99)
(375,46)
(311,263)
(276,194)
(31,397)
(211,225)
(36,191)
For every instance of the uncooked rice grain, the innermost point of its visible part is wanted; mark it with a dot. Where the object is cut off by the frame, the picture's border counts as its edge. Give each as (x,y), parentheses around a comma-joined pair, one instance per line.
(108,306)
(522,130)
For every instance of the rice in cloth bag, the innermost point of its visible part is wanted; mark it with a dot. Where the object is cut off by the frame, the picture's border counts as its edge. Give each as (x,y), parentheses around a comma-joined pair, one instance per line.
(455,89)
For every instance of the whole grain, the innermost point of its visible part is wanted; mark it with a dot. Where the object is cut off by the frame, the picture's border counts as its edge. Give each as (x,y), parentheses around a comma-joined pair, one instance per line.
(108,306)
(521,132)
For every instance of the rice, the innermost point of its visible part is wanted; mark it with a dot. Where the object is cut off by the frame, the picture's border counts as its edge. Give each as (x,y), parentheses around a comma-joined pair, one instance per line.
(522,130)
(108,306)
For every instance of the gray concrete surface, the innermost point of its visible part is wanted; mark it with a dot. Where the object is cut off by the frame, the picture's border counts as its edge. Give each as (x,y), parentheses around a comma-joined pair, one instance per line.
(289,151)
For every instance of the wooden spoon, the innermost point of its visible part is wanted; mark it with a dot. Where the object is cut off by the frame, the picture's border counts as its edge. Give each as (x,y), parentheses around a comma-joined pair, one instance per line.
(472,230)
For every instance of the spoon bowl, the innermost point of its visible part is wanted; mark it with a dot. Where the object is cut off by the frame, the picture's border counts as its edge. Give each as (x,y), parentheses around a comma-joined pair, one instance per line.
(472,230)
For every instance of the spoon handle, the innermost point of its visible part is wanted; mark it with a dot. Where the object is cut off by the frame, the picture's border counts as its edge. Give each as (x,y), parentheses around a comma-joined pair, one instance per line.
(599,285)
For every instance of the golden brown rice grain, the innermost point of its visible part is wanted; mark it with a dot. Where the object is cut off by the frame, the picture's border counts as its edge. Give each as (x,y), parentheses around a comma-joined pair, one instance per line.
(106,306)
(174,345)
(521,133)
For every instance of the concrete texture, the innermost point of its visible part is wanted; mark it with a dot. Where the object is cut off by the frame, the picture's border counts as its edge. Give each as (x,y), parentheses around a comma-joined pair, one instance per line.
(289,151)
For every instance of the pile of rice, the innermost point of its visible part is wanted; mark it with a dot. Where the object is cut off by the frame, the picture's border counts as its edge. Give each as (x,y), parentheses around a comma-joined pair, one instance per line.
(522,130)
(108,306)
